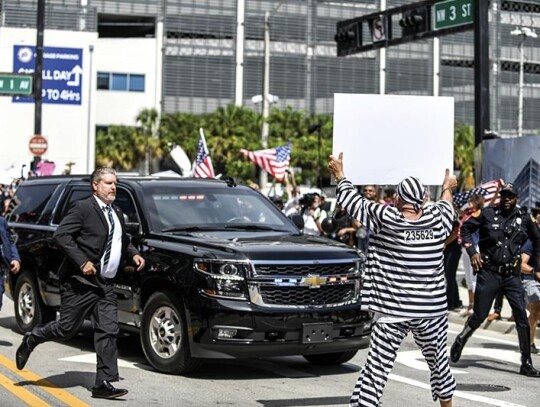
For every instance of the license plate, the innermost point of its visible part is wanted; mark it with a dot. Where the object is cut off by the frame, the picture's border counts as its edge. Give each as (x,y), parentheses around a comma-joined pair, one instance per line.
(317,333)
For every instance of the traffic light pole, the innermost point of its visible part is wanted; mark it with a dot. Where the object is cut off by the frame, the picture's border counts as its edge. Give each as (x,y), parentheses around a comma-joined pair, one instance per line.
(481,71)
(38,74)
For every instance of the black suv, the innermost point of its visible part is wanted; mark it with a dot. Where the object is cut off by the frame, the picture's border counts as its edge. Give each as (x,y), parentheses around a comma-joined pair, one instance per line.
(226,275)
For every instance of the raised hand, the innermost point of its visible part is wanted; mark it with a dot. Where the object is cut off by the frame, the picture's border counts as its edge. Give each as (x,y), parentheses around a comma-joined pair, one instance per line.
(335,165)
(450,181)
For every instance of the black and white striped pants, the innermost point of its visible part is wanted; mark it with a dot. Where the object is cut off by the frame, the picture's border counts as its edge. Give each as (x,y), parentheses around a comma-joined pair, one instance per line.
(431,337)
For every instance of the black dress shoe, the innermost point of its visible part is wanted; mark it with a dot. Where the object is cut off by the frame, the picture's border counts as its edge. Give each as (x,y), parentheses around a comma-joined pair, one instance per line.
(456,349)
(106,391)
(25,349)
(527,369)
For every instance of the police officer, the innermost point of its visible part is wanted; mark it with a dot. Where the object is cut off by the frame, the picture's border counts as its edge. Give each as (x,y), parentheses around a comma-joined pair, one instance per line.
(503,230)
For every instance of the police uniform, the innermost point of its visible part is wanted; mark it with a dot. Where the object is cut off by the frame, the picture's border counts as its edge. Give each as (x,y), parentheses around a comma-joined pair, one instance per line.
(501,237)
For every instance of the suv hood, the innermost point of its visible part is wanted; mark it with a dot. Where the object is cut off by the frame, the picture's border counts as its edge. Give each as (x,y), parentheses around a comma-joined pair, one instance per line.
(283,247)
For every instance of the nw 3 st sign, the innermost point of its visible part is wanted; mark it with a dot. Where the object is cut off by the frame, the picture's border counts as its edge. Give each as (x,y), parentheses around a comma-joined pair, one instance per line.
(452,13)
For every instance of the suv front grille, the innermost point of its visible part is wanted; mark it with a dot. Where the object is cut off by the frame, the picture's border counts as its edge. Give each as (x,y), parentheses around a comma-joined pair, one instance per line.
(292,284)
(303,269)
(336,294)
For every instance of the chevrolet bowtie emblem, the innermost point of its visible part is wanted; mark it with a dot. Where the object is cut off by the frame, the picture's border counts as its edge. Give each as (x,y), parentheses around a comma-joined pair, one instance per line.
(314,280)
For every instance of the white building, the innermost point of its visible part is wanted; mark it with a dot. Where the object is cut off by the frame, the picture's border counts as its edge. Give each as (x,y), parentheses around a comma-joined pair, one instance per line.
(89,82)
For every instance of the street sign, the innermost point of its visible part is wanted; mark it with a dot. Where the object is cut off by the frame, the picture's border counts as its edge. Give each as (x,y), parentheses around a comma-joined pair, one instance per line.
(38,145)
(62,73)
(14,84)
(452,13)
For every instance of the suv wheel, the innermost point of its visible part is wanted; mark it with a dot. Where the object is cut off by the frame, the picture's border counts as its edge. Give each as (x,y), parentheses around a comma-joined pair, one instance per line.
(164,335)
(329,359)
(29,309)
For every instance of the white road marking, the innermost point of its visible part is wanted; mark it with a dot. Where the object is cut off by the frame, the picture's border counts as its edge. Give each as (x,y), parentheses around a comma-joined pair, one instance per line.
(91,358)
(487,338)
(457,393)
(415,359)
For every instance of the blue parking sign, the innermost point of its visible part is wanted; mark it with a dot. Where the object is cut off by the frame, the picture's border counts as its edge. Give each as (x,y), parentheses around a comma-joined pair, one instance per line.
(62,73)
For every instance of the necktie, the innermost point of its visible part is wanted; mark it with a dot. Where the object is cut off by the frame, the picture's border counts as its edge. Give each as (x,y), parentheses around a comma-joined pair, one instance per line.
(110,237)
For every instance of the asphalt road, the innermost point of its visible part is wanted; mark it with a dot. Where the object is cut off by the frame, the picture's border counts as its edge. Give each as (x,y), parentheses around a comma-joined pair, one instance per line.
(60,374)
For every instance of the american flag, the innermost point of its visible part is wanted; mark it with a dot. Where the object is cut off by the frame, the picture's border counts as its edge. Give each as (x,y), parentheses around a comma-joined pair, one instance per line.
(202,168)
(487,190)
(273,160)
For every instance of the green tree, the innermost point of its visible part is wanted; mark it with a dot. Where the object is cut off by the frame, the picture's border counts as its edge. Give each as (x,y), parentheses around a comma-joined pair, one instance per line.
(227,130)
(114,148)
(147,139)
(464,152)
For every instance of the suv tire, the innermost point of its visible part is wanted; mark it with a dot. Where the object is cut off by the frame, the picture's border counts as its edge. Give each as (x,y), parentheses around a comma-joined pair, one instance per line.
(164,335)
(29,308)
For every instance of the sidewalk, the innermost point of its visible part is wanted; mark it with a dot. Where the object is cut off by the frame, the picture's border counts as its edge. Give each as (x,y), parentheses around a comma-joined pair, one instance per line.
(502,325)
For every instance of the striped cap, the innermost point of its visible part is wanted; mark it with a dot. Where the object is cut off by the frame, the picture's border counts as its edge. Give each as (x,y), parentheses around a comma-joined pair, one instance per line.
(412,191)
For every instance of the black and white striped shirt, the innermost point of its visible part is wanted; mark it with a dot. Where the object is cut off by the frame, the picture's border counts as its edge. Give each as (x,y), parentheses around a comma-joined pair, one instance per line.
(404,274)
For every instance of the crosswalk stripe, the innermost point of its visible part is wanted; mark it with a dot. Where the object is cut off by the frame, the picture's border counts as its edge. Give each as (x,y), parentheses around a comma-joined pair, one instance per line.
(45,385)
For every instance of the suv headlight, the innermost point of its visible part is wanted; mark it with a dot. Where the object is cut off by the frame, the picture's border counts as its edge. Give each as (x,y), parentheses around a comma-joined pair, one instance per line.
(224,278)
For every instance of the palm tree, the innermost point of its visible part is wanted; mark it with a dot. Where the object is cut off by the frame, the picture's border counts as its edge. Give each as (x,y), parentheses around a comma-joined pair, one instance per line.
(147,141)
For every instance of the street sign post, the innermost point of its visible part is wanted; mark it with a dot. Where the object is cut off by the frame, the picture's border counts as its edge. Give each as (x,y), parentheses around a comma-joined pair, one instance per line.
(38,145)
(452,13)
(14,84)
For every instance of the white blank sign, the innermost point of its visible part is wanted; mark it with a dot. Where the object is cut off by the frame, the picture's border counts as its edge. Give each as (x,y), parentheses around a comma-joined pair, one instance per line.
(385,138)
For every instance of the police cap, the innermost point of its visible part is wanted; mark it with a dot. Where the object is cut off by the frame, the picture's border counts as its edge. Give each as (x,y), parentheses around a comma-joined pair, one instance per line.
(509,190)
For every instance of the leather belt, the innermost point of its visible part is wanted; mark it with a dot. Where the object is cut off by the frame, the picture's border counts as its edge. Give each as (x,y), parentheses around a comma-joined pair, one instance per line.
(502,269)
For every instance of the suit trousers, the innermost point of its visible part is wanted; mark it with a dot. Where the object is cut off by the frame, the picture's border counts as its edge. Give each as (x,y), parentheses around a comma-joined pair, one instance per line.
(488,284)
(77,301)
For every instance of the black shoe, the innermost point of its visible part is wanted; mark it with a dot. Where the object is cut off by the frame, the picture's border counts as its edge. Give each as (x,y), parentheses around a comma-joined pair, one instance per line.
(527,369)
(24,351)
(534,349)
(456,349)
(459,343)
(106,391)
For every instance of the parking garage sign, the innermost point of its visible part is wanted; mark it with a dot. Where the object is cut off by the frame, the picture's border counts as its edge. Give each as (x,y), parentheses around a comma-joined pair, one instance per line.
(62,73)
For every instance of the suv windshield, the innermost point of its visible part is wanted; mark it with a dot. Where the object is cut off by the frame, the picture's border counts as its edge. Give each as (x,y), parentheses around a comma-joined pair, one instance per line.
(179,208)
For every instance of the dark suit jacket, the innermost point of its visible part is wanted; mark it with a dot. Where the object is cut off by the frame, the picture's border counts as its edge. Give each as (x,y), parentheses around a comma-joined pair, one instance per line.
(9,250)
(82,236)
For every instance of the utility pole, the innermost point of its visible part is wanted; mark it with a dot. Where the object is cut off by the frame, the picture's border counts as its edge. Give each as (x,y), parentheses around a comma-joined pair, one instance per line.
(481,72)
(38,74)
(523,33)
(263,178)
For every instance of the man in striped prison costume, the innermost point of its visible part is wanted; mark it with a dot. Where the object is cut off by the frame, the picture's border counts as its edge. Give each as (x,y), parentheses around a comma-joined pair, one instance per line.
(404,284)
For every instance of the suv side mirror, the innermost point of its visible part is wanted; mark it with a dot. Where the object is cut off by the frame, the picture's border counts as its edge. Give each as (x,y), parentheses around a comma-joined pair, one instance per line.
(298,220)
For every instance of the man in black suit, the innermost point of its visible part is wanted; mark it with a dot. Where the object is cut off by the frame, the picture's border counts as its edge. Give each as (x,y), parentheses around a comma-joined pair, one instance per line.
(93,239)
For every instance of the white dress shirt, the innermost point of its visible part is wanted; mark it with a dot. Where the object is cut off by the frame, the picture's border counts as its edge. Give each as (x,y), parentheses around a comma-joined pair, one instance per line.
(109,270)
